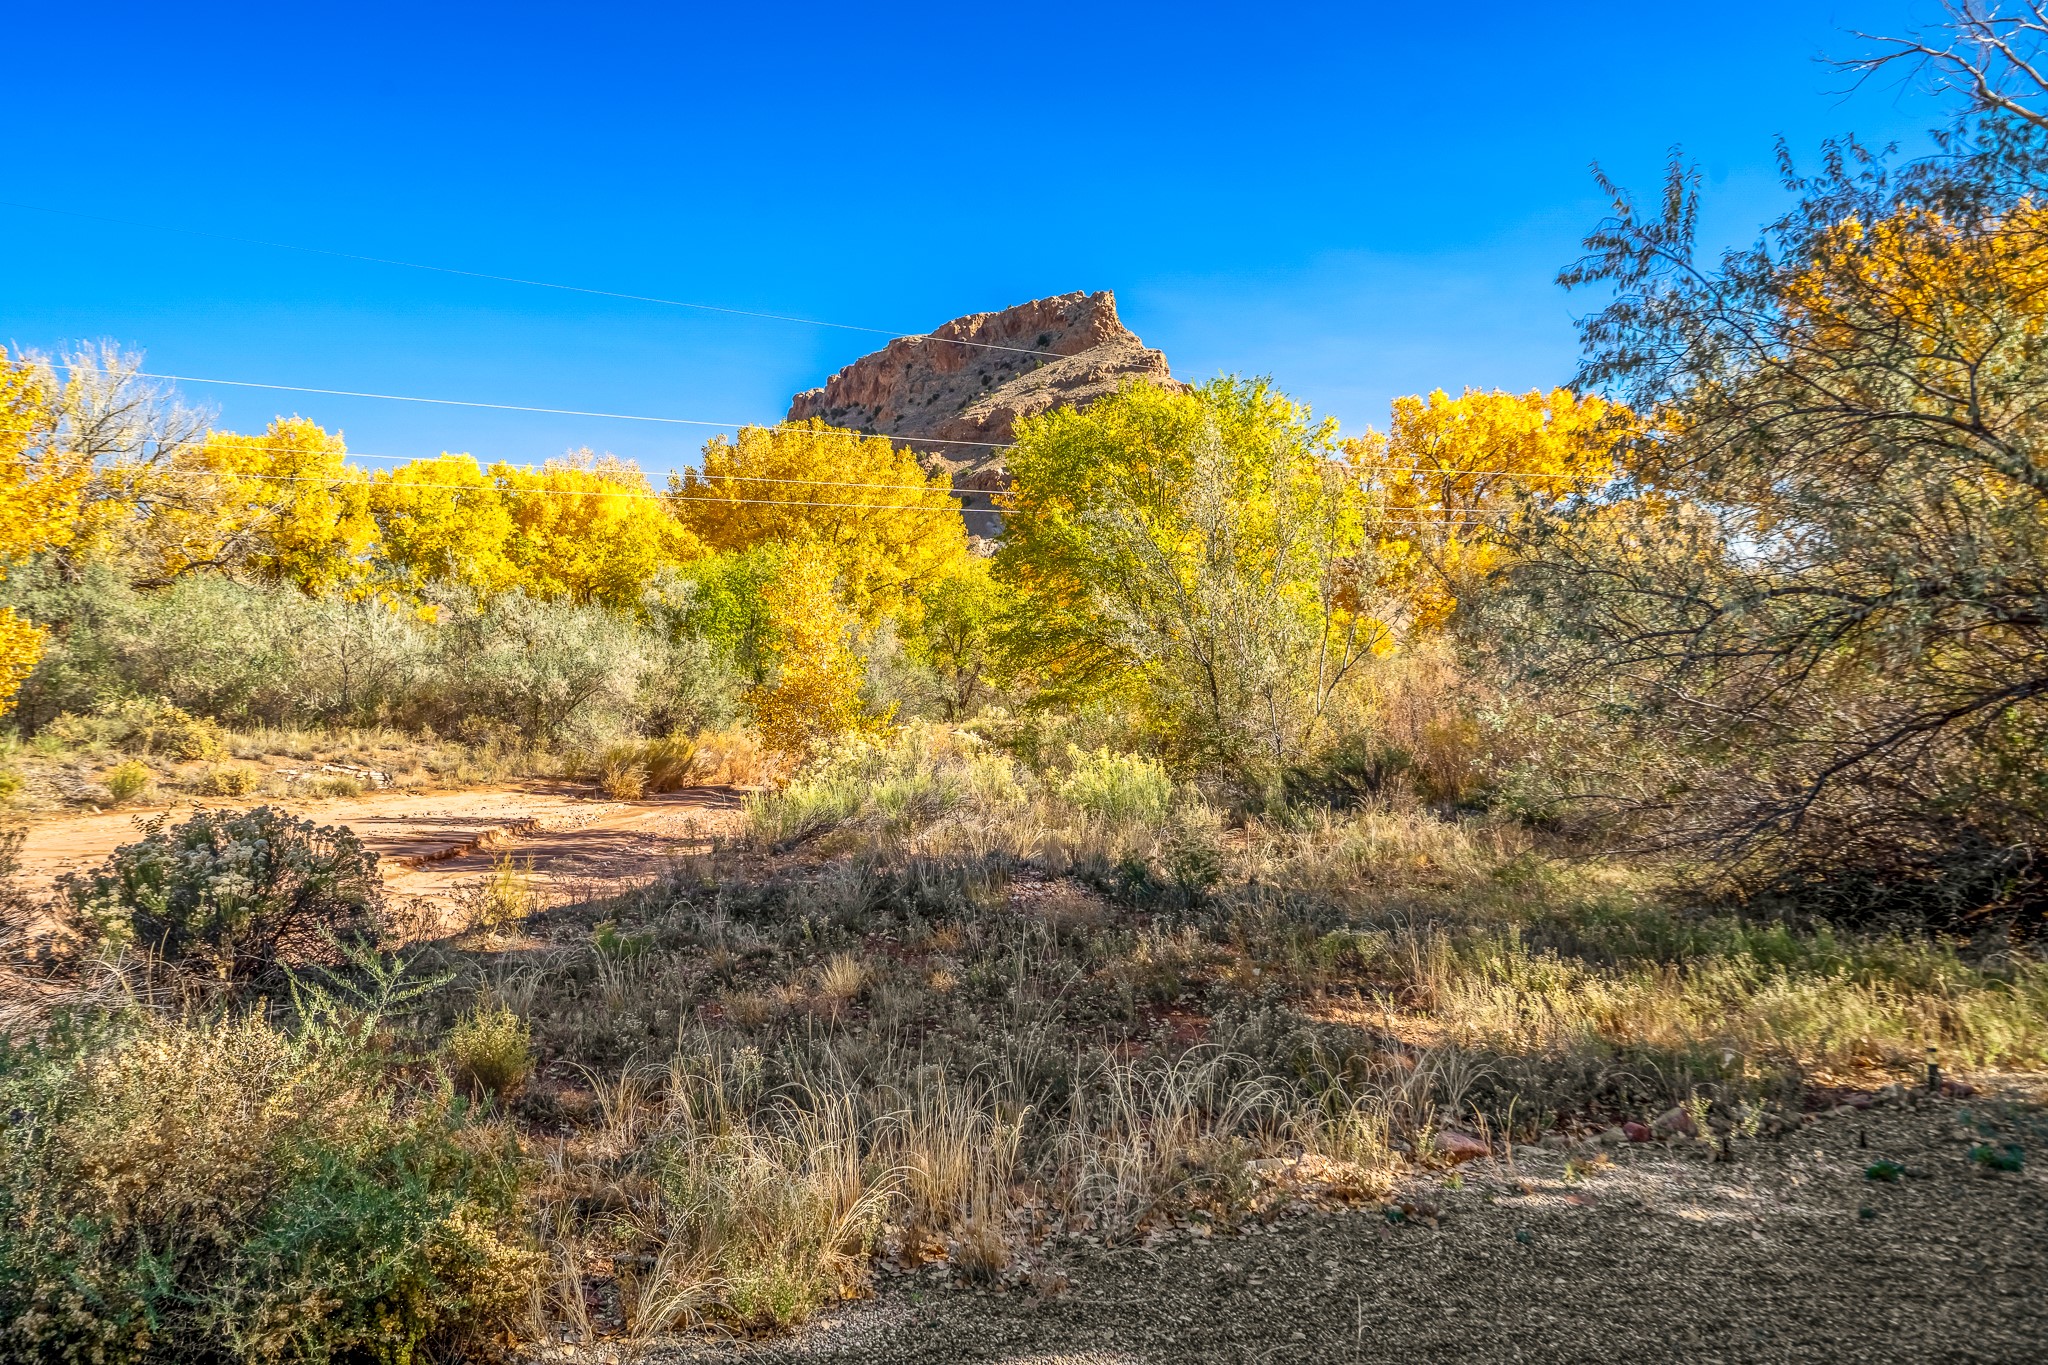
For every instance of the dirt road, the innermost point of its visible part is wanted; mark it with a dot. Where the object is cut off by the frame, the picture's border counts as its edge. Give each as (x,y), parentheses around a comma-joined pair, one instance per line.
(433,846)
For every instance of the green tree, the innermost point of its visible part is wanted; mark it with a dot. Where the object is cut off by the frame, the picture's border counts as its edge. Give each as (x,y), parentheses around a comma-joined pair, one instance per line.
(1815,630)
(1197,552)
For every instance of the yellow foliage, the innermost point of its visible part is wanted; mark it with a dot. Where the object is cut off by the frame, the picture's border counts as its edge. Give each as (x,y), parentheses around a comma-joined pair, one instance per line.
(889,527)
(589,530)
(444,519)
(815,696)
(40,485)
(21,645)
(283,506)
(1454,475)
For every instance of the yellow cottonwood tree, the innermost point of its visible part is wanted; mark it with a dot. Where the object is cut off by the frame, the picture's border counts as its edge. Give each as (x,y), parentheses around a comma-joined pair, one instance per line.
(589,530)
(40,485)
(282,506)
(1452,475)
(445,520)
(814,697)
(885,525)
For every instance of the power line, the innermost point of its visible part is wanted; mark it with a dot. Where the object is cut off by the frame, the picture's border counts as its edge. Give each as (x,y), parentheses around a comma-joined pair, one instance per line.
(535,284)
(517,407)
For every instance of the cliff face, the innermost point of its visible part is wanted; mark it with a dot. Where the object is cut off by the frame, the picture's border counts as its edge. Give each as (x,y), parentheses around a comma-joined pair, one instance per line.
(957,393)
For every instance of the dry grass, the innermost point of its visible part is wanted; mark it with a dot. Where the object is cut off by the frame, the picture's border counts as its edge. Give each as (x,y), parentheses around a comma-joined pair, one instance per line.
(930,1009)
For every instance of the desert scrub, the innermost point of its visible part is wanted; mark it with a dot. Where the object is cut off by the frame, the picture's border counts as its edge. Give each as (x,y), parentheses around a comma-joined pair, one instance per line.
(490,1050)
(1116,787)
(505,895)
(128,780)
(626,772)
(234,895)
(893,786)
(219,1189)
(230,779)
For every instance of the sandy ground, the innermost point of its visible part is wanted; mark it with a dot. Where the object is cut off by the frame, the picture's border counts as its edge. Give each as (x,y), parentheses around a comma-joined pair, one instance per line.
(1789,1253)
(433,846)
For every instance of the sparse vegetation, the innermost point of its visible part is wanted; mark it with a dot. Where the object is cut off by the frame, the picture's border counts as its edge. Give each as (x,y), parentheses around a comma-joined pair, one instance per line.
(1274,816)
(219,1188)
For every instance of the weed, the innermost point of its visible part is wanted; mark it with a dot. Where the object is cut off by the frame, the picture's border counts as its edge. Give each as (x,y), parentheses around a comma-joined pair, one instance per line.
(128,780)
(1117,787)
(2009,1157)
(505,895)
(622,778)
(1885,1170)
(339,785)
(491,1050)
(230,779)
(206,1188)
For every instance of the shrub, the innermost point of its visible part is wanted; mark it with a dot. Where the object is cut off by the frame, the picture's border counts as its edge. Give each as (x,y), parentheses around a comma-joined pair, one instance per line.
(628,771)
(491,1050)
(127,780)
(1118,787)
(506,896)
(232,894)
(221,1190)
(621,777)
(168,730)
(230,779)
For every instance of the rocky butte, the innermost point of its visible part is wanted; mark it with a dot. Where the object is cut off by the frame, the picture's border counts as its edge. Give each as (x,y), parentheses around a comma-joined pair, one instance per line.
(954,394)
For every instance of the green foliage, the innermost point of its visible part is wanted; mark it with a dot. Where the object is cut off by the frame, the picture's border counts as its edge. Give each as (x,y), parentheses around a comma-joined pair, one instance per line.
(1200,553)
(1117,787)
(217,1190)
(2009,1157)
(491,1050)
(127,780)
(232,895)
(957,638)
(157,671)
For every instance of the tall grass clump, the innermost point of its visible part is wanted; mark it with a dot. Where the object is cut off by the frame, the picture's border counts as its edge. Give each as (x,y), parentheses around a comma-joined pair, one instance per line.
(1121,788)
(896,785)
(216,1189)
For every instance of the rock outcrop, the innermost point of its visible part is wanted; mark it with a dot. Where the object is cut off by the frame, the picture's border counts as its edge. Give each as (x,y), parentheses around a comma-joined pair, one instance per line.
(955,394)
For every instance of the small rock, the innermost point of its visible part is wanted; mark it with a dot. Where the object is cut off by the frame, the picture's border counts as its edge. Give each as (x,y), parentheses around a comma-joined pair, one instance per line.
(1554,1142)
(1527,1153)
(1636,1132)
(1613,1137)
(1674,1120)
(1859,1101)
(1890,1093)
(1961,1090)
(1459,1146)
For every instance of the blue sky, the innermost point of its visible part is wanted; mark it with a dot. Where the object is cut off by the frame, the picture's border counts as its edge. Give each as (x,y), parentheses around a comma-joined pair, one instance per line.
(1359,200)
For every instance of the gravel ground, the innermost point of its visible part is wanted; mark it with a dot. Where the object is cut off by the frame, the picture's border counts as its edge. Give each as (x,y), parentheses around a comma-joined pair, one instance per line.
(1789,1253)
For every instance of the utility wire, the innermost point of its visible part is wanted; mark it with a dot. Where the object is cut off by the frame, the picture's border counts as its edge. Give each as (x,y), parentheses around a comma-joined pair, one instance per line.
(516,407)
(535,284)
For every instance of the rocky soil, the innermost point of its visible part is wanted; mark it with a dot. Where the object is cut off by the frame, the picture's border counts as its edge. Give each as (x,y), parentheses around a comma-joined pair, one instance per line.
(1656,1251)
(956,393)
